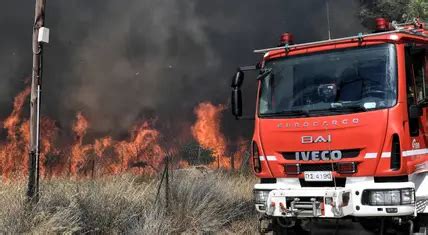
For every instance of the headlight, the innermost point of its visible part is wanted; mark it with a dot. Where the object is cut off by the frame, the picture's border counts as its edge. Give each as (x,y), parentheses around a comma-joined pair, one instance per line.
(392,197)
(407,196)
(377,198)
(261,196)
(388,197)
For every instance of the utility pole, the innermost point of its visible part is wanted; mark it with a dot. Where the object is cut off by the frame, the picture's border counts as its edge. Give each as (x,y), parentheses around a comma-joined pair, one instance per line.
(40,35)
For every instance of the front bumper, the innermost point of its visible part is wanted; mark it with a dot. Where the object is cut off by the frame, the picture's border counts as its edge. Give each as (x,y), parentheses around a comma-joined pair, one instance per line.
(288,199)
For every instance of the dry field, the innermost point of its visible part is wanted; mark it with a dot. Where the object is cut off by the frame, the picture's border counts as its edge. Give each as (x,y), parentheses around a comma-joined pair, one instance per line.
(214,202)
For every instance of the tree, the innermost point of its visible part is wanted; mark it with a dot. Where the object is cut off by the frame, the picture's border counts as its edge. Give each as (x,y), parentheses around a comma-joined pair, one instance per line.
(194,154)
(398,10)
(418,8)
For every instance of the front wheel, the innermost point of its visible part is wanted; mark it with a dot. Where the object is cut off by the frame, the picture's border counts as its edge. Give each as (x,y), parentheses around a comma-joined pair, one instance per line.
(421,224)
(371,225)
(282,226)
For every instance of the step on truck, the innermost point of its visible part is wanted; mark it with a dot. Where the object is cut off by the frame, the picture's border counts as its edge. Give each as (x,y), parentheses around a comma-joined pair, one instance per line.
(341,130)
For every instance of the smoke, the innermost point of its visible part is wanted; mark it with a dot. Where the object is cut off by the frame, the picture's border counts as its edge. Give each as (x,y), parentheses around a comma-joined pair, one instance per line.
(120,62)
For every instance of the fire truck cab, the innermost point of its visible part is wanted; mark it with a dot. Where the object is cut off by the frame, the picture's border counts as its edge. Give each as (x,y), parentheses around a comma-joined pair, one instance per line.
(341,130)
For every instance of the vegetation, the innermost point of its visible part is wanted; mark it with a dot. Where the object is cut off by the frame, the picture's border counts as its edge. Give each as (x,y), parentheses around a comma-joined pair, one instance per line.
(398,10)
(195,154)
(200,201)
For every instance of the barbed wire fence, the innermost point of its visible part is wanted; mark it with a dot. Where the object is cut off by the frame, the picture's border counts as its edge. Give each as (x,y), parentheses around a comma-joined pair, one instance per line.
(192,155)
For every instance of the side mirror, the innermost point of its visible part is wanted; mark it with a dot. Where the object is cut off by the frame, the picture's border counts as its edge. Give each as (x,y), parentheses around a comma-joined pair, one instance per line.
(238,79)
(415,111)
(236,102)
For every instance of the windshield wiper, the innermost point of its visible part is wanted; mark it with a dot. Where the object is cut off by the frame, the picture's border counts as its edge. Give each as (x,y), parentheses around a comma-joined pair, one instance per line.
(288,113)
(353,107)
(423,102)
(339,108)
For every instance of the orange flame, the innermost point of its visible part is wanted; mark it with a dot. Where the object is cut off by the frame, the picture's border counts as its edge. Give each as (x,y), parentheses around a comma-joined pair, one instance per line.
(207,132)
(238,156)
(78,150)
(142,150)
(13,152)
(12,122)
(140,153)
(47,148)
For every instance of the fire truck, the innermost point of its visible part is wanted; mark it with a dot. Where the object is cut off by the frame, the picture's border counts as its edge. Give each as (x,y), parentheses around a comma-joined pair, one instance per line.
(341,130)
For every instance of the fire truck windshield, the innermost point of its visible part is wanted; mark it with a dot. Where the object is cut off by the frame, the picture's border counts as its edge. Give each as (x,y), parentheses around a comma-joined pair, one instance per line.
(334,82)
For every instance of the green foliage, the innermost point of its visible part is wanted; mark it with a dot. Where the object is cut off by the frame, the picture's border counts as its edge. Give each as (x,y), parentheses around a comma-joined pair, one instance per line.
(194,154)
(418,8)
(398,10)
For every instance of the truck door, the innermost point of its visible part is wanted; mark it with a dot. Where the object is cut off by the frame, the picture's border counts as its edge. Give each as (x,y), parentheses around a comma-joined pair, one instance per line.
(417,94)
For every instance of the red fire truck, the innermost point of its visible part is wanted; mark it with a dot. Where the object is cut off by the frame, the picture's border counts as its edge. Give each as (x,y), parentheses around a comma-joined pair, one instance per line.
(341,130)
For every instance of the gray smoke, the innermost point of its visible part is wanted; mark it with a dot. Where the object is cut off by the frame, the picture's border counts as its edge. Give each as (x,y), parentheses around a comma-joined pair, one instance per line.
(121,62)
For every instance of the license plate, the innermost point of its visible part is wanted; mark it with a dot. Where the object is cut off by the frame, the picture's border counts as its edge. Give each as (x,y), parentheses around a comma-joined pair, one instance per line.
(318,176)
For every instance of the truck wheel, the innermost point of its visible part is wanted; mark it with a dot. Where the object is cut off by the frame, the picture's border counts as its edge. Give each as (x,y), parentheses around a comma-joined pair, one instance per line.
(421,223)
(278,227)
(371,225)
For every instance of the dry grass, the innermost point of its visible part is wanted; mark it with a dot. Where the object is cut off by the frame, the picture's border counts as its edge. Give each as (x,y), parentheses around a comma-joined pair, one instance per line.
(214,202)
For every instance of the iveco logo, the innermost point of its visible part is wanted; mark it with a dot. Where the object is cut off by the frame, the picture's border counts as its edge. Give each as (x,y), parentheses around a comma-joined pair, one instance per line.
(316,139)
(319,155)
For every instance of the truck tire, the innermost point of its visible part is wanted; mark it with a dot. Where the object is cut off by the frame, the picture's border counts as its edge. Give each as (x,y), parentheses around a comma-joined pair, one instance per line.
(371,225)
(421,223)
(279,229)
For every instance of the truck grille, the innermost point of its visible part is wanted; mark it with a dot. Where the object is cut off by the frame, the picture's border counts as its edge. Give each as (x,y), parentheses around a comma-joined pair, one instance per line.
(318,167)
(347,153)
(321,167)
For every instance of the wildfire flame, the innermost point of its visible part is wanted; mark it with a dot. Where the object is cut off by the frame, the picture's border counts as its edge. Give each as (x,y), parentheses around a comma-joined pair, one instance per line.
(141,152)
(78,150)
(12,122)
(238,156)
(12,152)
(207,132)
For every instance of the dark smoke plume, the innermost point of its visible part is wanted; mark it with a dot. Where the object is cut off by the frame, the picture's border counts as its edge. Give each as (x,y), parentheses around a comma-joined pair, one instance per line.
(123,61)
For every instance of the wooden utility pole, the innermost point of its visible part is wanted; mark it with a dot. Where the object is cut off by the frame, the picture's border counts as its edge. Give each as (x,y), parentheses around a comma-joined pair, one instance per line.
(36,84)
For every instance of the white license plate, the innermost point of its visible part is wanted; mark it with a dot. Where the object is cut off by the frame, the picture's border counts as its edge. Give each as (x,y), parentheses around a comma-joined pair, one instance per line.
(318,176)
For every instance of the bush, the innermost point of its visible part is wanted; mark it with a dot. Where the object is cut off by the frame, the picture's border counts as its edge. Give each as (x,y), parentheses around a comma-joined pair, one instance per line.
(214,201)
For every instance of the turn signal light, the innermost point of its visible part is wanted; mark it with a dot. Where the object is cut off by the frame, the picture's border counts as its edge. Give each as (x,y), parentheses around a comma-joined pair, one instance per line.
(292,169)
(395,153)
(257,164)
(346,168)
